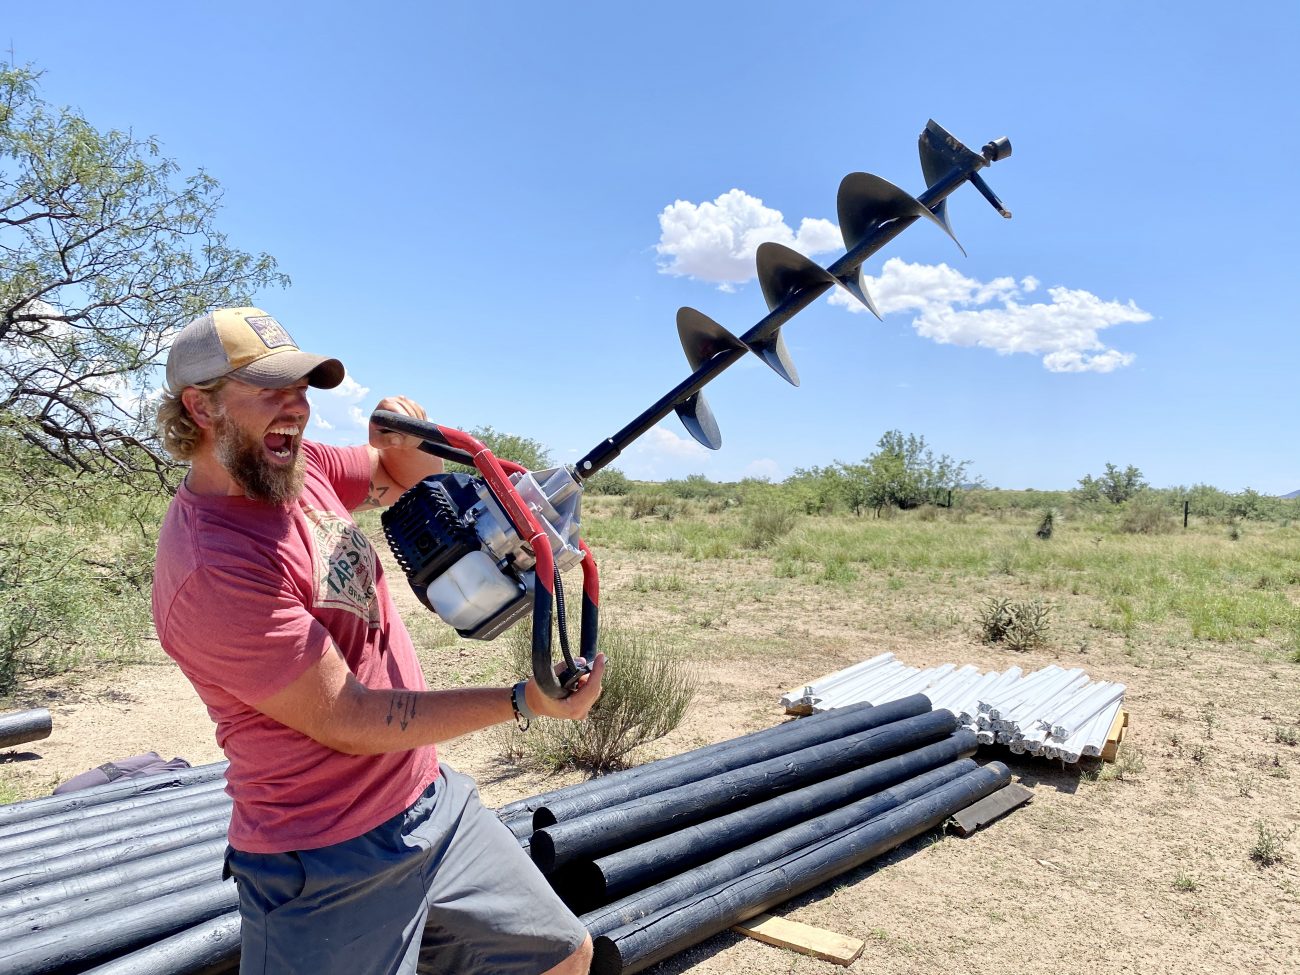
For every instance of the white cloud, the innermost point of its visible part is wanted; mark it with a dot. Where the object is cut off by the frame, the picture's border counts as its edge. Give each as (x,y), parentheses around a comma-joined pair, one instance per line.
(1064,331)
(716,241)
(350,390)
(337,414)
(661,454)
(662,442)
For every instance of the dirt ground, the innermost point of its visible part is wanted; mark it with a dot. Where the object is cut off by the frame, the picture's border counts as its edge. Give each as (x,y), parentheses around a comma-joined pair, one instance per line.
(1148,873)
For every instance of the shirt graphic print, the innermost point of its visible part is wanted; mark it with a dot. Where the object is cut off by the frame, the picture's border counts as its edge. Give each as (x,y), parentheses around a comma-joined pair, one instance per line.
(346,565)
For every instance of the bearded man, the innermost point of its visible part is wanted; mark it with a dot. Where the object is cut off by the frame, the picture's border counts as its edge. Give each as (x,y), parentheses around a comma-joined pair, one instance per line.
(355,851)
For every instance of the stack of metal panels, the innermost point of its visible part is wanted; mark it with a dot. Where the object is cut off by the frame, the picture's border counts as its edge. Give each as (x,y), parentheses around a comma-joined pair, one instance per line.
(1053,712)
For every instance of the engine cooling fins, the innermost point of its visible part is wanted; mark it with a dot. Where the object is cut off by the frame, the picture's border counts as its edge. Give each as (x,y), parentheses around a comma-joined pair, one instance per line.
(872,211)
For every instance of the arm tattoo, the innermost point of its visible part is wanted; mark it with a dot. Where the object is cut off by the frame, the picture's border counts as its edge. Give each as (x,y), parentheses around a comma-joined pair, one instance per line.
(402,708)
(375,499)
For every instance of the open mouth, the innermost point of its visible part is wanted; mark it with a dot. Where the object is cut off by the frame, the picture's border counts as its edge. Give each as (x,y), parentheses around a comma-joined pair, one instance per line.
(281,442)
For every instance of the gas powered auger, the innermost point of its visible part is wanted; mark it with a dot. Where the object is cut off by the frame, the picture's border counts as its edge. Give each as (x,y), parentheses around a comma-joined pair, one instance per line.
(479,551)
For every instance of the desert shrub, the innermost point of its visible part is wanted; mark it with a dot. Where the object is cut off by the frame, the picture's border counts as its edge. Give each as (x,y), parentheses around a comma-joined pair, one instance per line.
(1020,626)
(1146,515)
(1046,524)
(695,487)
(647,690)
(1115,485)
(60,604)
(651,504)
(609,481)
(766,524)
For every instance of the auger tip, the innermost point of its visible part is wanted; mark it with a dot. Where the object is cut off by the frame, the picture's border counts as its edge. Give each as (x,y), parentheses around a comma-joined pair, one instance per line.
(996,151)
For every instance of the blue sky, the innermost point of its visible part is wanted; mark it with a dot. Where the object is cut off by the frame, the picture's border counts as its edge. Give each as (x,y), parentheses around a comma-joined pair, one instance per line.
(498,209)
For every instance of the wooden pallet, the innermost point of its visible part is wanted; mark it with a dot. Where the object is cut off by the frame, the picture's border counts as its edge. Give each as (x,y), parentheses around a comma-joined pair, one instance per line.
(1118,729)
(803,938)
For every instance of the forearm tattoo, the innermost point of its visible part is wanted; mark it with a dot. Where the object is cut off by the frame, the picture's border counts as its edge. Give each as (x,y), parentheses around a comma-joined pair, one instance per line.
(401,708)
(375,499)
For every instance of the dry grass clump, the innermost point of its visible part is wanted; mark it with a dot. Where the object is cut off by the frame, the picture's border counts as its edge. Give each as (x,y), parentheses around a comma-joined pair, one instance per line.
(647,690)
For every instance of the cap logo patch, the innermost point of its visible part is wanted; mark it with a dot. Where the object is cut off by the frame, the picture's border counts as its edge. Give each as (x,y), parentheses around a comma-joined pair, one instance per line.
(271,332)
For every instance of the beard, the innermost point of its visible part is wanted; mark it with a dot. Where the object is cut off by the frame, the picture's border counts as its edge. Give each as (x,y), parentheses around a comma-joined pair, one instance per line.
(243,456)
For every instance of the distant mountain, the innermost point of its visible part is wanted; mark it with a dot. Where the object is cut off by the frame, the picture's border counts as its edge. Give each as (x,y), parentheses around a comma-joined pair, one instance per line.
(1293,494)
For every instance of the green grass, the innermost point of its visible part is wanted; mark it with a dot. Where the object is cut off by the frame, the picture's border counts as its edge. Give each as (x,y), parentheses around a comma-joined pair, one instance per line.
(1186,881)
(1186,585)
(1269,847)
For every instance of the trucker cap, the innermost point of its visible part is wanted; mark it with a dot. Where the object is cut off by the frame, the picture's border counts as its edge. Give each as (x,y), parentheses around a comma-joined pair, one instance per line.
(245,344)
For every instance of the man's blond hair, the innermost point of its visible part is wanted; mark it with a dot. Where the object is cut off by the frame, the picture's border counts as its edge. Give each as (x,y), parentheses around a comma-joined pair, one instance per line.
(180,434)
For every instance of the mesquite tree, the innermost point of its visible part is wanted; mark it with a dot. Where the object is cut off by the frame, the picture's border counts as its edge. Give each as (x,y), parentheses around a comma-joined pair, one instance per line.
(106,249)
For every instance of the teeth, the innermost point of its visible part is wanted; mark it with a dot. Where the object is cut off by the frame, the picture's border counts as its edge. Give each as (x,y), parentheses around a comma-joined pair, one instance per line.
(287,431)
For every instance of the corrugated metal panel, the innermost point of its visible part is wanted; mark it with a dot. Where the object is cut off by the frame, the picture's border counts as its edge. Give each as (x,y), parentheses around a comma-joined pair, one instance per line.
(1054,712)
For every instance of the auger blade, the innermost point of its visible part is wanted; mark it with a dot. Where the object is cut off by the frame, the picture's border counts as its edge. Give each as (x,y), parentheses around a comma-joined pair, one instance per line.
(852,283)
(702,338)
(784,272)
(773,351)
(697,417)
(866,201)
(940,153)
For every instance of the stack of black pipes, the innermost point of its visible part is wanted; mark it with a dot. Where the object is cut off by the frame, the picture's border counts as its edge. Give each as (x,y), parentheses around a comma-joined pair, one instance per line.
(125,876)
(663,856)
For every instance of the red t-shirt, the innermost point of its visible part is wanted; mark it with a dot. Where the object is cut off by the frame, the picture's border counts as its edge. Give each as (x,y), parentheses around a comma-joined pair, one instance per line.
(246,597)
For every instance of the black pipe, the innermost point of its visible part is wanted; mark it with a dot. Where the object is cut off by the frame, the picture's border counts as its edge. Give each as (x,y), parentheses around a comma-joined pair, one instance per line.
(69,947)
(121,876)
(98,839)
(24,726)
(641,944)
(210,948)
(21,812)
(664,812)
(800,735)
(637,867)
(25,876)
(769,850)
(88,905)
(86,814)
(522,809)
(151,810)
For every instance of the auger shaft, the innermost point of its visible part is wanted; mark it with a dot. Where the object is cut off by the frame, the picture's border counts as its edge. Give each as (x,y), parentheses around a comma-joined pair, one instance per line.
(966,169)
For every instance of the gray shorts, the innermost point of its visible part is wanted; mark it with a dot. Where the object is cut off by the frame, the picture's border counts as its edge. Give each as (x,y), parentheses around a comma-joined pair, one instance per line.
(441,887)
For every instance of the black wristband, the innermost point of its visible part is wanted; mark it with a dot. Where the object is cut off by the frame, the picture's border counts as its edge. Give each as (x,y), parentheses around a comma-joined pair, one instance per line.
(523,713)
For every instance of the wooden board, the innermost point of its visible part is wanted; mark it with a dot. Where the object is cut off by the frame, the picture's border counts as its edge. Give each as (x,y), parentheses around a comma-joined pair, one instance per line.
(803,938)
(1118,729)
(989,808)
